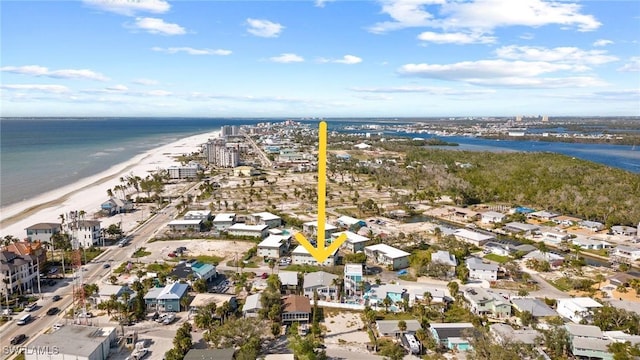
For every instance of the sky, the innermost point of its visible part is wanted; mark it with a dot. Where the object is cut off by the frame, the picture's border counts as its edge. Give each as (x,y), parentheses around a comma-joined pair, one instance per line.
(322,58)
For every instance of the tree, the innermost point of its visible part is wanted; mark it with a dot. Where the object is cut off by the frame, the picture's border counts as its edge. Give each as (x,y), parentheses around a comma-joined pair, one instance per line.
(387,302)
(200,286)
(556,340)
(402,326)
(427,297)
(391,350)
(453,287)
(182,341)
(526,317)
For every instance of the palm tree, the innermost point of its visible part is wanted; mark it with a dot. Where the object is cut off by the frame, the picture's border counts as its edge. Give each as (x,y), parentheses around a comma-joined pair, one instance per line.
(453,288)
(272,264)
(387,302)
(427,297)
(402,326)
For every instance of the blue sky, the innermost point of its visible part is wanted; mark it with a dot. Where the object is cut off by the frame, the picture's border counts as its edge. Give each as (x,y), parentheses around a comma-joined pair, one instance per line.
(388,58)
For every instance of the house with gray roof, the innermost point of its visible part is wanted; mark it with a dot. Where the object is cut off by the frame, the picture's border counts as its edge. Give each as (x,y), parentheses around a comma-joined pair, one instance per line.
(452,335)
(321,282)
(42,231)
(536,307)
(390,327)
(588,341)
(487,302)
(252,305)
(210,354)
(445,258)
(506,334)
(73,342)
(167,298)
(480,270)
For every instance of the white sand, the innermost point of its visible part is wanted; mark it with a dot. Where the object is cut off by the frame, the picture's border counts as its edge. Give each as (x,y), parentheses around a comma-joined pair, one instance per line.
(89,193)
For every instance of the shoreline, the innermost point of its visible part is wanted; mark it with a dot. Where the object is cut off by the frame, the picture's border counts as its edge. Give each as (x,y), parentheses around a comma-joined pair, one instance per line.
(88,193)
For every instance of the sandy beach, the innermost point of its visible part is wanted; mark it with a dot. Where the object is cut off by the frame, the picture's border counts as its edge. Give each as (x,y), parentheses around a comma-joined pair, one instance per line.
(87,194)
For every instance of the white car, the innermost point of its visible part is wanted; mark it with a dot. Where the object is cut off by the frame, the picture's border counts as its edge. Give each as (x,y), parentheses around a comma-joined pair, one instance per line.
(57,326)
(85,315)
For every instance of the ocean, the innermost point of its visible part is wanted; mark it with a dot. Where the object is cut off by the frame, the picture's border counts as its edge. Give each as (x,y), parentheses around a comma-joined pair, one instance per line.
(39,155)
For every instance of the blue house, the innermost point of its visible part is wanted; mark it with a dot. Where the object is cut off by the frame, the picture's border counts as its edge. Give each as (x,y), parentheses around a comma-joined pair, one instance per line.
(167,298)
(350,223)
(116,206)
(451,335)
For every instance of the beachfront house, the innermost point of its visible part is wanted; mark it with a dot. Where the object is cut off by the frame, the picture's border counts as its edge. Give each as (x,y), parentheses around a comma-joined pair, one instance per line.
(42,232)
(223,221)
(472,237)
(265,218)
(296,308)
(389,256)
(185,225)
(349,223)
(107,291)
(301,256)
(87,232)
(189,171)
(577,309)
(354,242)
(116,206)
(33,250)
(321,282)
(167,298)
(390,327)
(480,270)
(252,305)
(255,231)
(274,246)
(311,228)
(588,342)
(17,273)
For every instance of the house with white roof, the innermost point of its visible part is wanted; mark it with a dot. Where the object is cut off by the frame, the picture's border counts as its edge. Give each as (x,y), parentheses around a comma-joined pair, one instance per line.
(624,230)
(472,237)
(553,259)
(288,281)
(577,309)
(626,253)
(542,215)
(481,271)
(274,246)
(311,228)
(445,258)
(362,146)
(554,237)
(590,243)
(388,255)
(321,282)
(350,223)
(266,218)
(505,334)
(185,225)
(301,256)
(591,225)
(203,215)
(106,291)
(223,221)
(520,228)
(492,217)
(354,242)
(241,229)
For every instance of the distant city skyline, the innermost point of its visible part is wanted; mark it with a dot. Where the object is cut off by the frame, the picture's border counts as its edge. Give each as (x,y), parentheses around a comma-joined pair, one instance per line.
(323,58)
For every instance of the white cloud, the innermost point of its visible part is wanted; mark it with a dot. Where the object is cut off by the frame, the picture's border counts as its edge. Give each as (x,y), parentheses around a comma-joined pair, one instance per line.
(46,88)
(158,93)
(130,7)
(146,82)
(501,73)
(347,59)
(287,58)
(424,89)
(482,16)
(456,38)
(632,66)
(566,55)
(263,28)
(158,26)
(527,36)
(117,88)
(322,3)
(192,51)
(375,97)
(36,70)
(602,42)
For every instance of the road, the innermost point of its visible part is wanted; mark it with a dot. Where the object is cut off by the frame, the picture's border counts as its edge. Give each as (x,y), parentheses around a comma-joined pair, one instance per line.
(94,273)
(263,157)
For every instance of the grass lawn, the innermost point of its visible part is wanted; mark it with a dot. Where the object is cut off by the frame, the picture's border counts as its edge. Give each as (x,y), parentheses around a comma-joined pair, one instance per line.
(209,259)
(498,258)
(141,252)
(159,268)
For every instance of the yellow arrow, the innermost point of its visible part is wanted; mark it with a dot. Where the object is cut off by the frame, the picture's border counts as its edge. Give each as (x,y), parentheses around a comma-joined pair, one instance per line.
(321,253)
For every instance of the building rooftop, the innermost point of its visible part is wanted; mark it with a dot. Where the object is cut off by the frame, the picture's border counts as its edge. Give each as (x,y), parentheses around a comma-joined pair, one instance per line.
(591,344)
(389,251)
(44,226)
(521,226)
(245,227)
(583,302)
(204,299)
(273,241)
(473,235)
(589,331)
(252,302)
(391,326)
(200,213)
(224,217)
(536,307)
(210,354)
(315,224)
(351,237)
(444,257)
(288,278)
(266,216)
(296,303)
(493,214)
(353,269)
(509,334)
(179,222)
(450,330)
(348,220)
(319,278)
(301,250)
(77,340)
(474,263)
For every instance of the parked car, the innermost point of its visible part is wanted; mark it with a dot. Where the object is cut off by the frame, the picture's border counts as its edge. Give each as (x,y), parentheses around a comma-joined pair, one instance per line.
(169,319)
(53,311)
(85,315)
(264,275)
(18,339)
(160,318)
(155,316)
(56,297)
(172,254)
(106,266)
(57,326)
